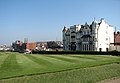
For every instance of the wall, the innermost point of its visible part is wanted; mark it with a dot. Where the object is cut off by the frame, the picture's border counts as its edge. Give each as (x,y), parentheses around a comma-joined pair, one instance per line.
(113,48)
(117,37)
(31,46)
(105,36)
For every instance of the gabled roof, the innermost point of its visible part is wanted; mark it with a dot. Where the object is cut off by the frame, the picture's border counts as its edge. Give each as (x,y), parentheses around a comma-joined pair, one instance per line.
(65,29)
(90,28)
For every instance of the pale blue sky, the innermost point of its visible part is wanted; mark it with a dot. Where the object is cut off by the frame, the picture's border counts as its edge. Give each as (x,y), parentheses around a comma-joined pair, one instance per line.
(41,20)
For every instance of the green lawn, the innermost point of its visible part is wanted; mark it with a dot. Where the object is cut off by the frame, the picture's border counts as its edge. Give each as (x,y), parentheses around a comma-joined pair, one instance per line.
(36,68)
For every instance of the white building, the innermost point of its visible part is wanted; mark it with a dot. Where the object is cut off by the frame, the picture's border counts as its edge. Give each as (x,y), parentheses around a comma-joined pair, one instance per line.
(93,37)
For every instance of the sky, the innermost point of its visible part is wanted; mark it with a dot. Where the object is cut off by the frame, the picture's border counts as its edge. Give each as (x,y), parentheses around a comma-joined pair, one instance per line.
(43,20)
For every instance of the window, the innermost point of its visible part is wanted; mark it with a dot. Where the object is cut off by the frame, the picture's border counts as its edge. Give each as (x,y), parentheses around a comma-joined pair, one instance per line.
(73,32)
(90,39)
(83,32)
(106,32)
(93,38)
(89,47)
(72,36)
(93,47)
(86,47)
(88,32)
(106,38)
(106,43)
(85,39)
(67,34)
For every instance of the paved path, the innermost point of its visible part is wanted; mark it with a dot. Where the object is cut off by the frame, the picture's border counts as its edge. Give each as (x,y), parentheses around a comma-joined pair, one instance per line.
(111,81)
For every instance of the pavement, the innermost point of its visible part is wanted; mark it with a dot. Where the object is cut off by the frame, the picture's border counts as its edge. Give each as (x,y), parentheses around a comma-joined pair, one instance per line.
(115,80)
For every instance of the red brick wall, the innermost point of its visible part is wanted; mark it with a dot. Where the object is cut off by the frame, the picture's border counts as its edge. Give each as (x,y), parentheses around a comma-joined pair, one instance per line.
(31,46)
(117,38)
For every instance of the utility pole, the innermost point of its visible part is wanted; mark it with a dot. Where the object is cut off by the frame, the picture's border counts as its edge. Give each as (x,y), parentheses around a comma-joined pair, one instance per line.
(56,39)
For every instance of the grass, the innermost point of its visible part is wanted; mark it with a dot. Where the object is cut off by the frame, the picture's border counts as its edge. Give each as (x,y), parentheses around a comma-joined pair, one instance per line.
(36,68)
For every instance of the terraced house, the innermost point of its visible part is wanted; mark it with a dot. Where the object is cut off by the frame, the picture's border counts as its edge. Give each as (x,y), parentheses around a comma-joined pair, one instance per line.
(94,37)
